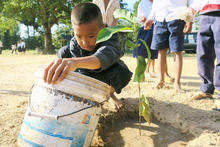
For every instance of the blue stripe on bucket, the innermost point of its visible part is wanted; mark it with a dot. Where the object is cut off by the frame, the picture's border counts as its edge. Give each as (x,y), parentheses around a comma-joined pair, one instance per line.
(47,133)
(29,142)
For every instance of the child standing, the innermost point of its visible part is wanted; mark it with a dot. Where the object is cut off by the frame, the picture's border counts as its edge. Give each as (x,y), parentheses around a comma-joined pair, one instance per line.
(13,49)
(208,47)
(100,61)
(168,34)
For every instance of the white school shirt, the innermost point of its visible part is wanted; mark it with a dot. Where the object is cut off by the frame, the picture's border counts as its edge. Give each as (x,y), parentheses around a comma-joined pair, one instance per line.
(144,9)
(163,9)
(206,5)
(107,15)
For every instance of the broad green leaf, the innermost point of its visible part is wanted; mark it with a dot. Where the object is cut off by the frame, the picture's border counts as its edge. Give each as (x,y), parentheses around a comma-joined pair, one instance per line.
(140,69)
(145,109)
(147,48)
(126,15)
(107,32)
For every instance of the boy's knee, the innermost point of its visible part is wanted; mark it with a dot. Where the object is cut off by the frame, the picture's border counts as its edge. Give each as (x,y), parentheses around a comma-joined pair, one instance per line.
(179,53)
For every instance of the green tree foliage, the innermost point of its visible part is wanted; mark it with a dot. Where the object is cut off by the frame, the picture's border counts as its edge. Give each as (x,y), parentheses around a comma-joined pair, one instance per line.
(62,36)
(43,13)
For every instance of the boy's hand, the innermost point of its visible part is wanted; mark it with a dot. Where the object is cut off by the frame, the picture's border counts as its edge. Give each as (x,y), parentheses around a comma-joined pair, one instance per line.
(143,19)
(188,27)
(148,24)
(57,70)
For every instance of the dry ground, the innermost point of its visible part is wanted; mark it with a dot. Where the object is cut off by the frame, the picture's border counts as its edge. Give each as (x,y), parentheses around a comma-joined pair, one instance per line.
(200,125)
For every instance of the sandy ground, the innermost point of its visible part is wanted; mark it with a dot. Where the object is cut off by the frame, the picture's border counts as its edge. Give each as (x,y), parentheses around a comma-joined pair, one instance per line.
(178,120)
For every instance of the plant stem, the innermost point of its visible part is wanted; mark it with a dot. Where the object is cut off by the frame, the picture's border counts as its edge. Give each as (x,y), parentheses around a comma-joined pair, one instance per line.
(139,91)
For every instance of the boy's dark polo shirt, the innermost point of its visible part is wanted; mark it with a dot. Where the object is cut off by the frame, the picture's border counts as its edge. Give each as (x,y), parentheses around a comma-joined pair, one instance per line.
(113,71)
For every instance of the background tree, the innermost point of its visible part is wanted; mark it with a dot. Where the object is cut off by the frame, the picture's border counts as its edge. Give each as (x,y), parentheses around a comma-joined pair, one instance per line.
(45,13)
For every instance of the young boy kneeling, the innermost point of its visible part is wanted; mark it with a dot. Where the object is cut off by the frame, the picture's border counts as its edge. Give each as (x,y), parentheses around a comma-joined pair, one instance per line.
(100,61)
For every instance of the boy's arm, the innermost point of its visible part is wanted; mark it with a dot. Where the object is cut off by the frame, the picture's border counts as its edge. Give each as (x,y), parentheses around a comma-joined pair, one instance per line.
(109,52)
(105,56)
(195,6)
(68,59)
(59,68)
(148,23)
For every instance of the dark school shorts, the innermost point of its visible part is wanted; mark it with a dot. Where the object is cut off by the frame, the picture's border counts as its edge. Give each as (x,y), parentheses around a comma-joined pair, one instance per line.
(145,35)
(168,35)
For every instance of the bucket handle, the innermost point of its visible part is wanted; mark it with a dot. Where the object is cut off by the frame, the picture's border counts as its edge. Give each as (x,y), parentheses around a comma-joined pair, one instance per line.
(36,114)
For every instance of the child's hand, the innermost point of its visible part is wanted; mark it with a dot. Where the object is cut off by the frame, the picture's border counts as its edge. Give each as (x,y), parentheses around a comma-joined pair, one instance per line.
(57,70)
(148,24)
(188,27)
(143,19)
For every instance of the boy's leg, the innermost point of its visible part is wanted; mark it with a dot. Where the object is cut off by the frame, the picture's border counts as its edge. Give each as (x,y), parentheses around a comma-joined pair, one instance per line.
(176,40)
(168,78)
(166,69)
(153,73)
(160,41)
(154,55)
(153,66)
(178,70)
(161,59)
(205,57)
(216,32)
(148,66)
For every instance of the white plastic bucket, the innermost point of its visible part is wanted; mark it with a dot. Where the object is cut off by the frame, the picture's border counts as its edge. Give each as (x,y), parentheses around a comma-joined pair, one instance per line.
(63,115)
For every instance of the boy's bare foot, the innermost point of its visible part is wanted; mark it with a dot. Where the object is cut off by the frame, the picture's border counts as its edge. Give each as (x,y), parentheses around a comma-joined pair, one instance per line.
(177,88)
(117,104)
(159,85)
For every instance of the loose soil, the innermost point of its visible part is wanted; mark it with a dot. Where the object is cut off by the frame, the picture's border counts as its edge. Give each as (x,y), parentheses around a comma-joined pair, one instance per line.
(177,119)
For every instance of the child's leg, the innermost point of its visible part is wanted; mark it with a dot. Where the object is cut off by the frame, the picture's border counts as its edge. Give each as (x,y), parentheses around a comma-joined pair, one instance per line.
(168,78)
(161,59)
(178,70)
(166,69)
(153,66)
(152,69)
(148,66)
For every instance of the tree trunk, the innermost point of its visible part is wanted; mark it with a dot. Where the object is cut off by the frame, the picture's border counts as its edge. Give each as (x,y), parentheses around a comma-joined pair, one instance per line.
(48,46)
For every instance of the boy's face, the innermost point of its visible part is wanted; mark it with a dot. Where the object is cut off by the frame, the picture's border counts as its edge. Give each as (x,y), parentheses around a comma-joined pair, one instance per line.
(86,34)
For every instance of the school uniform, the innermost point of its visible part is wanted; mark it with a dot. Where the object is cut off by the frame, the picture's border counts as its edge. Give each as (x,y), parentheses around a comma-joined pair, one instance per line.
(23,46)
(144,9)
(166,33)
(113,71)
(208,44)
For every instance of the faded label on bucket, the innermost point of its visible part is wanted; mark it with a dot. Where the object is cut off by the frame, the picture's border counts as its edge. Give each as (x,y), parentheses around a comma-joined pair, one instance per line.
(86,119)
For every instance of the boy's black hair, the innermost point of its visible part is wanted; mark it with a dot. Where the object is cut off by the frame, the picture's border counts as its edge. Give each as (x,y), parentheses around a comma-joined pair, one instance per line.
(84,13)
